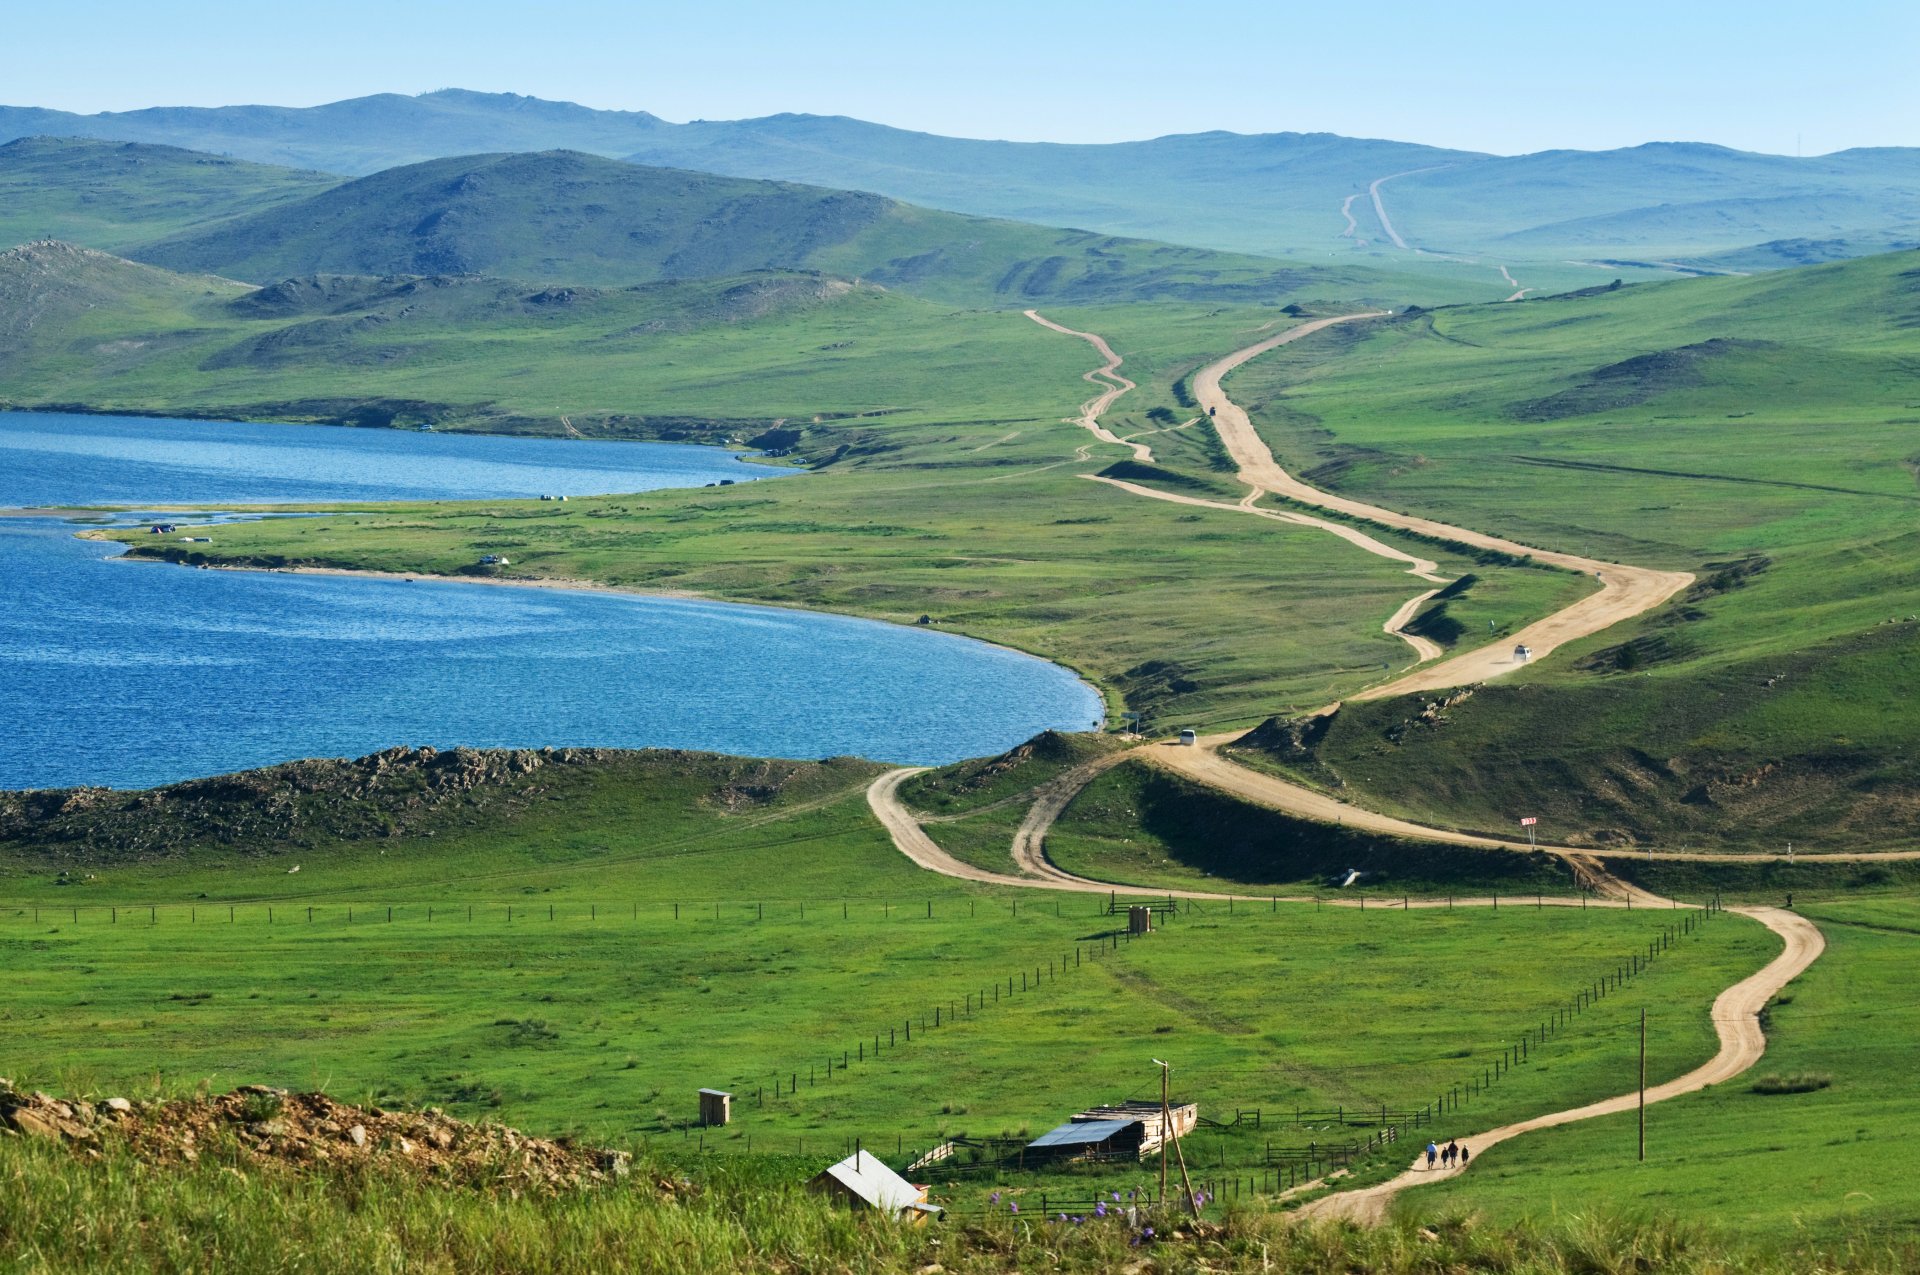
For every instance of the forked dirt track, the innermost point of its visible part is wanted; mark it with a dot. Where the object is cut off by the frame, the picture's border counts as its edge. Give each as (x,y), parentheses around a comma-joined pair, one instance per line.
(1735,1013)
(1037,872)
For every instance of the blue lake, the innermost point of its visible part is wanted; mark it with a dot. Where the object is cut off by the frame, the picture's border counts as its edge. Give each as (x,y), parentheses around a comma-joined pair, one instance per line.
(132,674)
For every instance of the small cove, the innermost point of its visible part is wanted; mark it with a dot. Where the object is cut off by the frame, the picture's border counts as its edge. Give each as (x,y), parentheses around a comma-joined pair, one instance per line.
(127,675)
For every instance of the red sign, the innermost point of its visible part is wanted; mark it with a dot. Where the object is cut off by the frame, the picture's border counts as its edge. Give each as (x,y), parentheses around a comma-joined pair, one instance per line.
(1528,822)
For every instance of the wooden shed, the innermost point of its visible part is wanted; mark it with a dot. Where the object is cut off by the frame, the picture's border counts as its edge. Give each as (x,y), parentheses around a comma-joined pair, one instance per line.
(861,1182)
(716,1107)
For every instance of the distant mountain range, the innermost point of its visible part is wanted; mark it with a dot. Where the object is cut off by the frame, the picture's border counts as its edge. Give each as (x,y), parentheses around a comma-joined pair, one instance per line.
(567,218)
(1283,194)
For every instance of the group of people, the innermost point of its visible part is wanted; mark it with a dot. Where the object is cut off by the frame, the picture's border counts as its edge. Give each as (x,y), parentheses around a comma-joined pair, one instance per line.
(1448,1155)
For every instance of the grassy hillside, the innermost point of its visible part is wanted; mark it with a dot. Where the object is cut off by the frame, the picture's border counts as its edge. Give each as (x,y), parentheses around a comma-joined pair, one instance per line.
(573,218)
(707,359)
(53,295)
(1758,432)
(114,195)
(343,1219)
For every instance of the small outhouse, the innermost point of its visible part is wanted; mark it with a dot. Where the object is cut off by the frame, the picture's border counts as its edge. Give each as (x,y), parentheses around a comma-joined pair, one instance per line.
(716,1107)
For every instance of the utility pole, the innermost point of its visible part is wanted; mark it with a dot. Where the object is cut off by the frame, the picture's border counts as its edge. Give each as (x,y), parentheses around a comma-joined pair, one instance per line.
(1166,1136)
(1643,1084)
(1165,1112)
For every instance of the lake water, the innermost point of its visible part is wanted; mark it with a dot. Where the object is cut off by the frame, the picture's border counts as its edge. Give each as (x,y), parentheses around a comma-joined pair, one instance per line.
(132,674)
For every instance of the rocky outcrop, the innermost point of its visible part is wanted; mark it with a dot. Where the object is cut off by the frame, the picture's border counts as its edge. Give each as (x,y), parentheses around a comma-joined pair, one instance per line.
(397,793)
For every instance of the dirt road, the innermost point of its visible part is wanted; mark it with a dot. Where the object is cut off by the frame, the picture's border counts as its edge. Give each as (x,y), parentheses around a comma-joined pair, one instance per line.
(1624,591)
(1736,1020)
(1051,799)
(1735,1012)
(1353,227)
(1110,383)
(1380,207)
(883,798)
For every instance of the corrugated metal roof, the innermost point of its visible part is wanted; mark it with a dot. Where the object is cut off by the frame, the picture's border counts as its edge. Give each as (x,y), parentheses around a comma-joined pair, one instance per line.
(1080,1132)
(874,1182)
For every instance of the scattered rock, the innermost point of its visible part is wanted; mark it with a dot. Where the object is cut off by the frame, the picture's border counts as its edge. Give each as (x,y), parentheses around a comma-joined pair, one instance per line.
(313,1128)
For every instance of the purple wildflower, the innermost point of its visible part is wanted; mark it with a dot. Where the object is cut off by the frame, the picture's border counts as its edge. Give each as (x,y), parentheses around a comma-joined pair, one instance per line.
(1100,1209)
(1013,1205)
(994,1198)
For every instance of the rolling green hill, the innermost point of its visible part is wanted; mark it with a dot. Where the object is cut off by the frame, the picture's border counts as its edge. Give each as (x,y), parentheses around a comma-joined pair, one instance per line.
(574,218)
(86,329)
(1759,432)
(570,218)
(115,195)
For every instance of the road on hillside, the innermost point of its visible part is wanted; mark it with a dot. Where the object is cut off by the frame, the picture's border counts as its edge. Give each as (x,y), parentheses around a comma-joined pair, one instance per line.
(1380,207)
(1743,1041)
(1624,591)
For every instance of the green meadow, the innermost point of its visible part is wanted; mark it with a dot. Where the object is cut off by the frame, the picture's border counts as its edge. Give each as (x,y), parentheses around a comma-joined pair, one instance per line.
(586,964)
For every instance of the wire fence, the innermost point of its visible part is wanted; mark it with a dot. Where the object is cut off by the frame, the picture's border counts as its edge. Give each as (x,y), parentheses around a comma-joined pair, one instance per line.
(825,1067)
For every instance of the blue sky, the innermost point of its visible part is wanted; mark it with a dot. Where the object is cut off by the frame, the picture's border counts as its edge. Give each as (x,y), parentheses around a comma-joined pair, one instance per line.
(1496,76)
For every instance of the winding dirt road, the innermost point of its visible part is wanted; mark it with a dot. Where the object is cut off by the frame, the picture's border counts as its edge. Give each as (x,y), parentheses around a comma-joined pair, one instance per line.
(1110,383)
(1736,1020)
(1624,592)
(1735,1013)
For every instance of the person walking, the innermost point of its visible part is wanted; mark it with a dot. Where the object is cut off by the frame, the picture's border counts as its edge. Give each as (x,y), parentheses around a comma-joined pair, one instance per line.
(1464,1153)
(1433,1153)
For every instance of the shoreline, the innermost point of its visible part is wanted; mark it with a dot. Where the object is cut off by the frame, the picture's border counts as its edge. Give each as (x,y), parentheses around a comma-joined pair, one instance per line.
(567,584)
(739,451)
